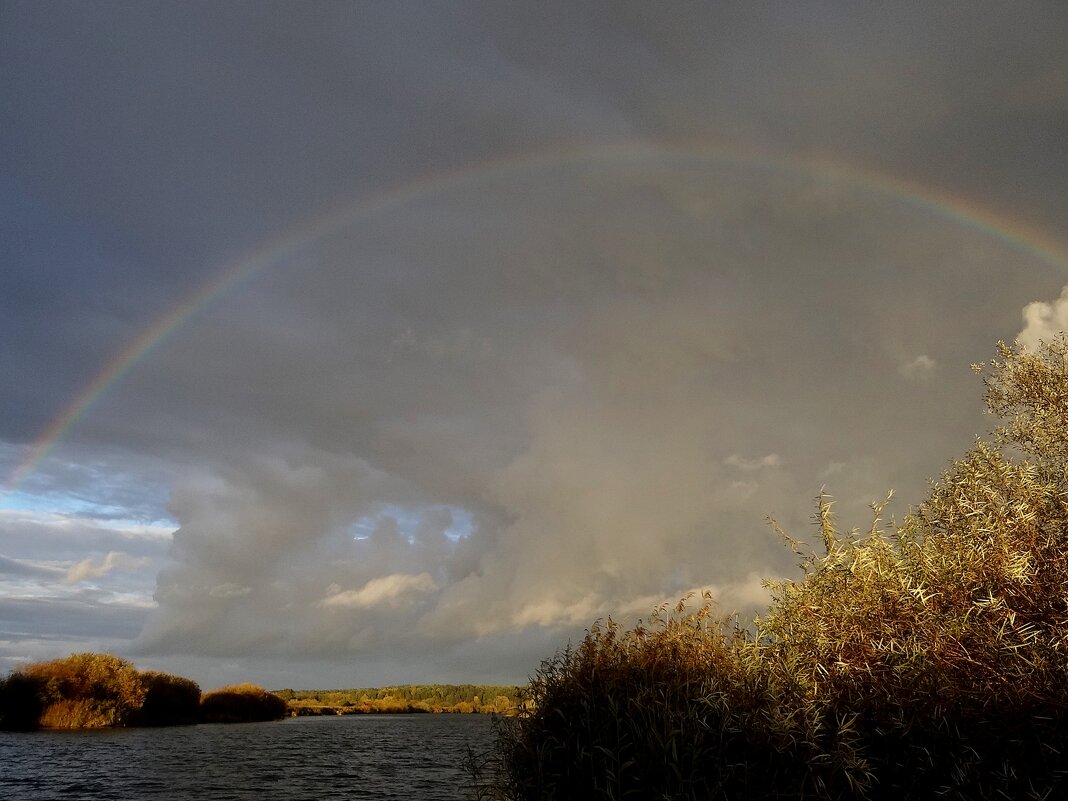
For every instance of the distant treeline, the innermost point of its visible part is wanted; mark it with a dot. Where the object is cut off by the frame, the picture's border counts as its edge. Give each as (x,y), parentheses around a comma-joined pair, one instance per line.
(440,698)
(90,691)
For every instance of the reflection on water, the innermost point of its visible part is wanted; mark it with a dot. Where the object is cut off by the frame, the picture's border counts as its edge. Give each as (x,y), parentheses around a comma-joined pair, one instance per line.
(410,757)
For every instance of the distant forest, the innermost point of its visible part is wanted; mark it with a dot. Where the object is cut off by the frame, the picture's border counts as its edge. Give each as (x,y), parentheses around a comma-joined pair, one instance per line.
(456,698)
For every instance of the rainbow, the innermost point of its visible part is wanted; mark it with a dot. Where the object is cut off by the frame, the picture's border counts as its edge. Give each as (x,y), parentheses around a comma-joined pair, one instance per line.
(278,249)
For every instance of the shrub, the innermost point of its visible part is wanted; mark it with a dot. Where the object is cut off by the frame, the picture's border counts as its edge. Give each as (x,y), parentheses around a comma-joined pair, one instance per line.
(241,703)
(914,661)
(633,713)
(21,702)
(87,691)
(169,700)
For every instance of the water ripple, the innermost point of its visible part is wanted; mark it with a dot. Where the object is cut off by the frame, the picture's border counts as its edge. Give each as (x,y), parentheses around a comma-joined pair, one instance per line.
(382,757)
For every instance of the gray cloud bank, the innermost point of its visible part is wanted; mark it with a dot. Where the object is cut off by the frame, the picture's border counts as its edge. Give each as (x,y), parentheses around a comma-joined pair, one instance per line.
(614,369)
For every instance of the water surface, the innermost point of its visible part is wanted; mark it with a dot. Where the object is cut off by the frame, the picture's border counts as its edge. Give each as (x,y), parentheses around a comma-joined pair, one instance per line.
(410,757)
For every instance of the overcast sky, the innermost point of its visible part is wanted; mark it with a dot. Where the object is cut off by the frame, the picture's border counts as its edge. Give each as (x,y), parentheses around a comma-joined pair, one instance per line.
(355,343)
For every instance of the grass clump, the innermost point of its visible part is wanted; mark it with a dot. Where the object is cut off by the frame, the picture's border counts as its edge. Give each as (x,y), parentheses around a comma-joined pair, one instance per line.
(920,660)
(241,703)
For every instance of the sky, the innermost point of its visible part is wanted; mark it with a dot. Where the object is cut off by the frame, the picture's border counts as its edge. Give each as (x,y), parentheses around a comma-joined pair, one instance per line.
(346,344)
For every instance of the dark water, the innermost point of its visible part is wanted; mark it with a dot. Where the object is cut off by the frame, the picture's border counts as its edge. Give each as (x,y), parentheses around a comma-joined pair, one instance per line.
(410,757)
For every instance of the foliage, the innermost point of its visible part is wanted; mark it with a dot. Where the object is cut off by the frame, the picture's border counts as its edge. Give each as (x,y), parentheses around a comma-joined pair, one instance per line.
(20,702)
(634,713)
(925,659)
(460,698)
(87,691)
(241,703)
(100,690)
(169,700)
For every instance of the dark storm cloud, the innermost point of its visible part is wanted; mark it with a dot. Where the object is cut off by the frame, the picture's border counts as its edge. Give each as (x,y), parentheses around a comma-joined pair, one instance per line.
(617,432)
(145,142)
(468,424)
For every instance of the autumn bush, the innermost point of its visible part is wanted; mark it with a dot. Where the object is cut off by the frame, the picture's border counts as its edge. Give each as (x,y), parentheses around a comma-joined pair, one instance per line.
(925,659)
(86,691)
(241,703)
(169,700)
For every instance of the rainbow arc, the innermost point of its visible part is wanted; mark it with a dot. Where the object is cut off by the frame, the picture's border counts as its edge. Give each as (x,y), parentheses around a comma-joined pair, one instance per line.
(229,277)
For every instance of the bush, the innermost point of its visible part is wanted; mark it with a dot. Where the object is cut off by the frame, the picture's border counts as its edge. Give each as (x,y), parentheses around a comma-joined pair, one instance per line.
(21,702)
(914,661)
(169,700)
(87,691)
(638,713)
(241,703)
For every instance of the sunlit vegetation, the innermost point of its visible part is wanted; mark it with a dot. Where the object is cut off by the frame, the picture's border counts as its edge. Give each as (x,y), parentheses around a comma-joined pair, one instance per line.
(241,703)
(85,691)
(438,698)
(925,659)
(90,691)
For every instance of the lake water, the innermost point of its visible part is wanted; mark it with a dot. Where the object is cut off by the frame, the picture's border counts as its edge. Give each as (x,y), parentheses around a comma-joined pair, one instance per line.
(410,757)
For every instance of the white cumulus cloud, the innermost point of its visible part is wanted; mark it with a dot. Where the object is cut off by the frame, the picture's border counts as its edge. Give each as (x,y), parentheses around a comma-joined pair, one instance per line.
(1043,321)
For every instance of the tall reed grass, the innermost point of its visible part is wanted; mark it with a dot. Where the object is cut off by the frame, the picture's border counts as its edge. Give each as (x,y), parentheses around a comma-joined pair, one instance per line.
(919,660)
